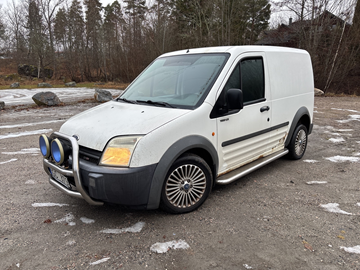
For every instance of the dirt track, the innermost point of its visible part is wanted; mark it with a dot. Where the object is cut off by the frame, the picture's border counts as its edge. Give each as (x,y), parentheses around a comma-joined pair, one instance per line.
(274,218)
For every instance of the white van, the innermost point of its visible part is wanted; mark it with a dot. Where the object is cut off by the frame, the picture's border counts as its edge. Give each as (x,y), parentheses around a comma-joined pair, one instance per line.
(192,119)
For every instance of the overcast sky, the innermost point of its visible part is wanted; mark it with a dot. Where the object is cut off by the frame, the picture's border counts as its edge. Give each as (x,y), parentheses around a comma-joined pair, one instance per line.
(277,16)
(4,3)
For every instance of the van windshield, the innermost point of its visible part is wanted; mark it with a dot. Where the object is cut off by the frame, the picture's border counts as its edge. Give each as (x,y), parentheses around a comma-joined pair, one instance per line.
(181,81)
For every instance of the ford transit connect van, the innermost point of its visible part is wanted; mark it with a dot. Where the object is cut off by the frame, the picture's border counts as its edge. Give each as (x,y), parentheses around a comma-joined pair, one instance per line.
(192,119)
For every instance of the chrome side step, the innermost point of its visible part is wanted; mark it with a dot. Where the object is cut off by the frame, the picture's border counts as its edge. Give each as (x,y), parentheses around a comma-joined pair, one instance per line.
(248,168)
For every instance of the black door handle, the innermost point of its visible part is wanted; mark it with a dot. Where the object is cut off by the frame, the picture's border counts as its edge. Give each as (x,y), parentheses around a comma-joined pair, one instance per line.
(265,108)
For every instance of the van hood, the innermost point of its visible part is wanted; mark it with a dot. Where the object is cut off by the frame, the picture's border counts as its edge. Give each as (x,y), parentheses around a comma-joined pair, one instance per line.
(95,127)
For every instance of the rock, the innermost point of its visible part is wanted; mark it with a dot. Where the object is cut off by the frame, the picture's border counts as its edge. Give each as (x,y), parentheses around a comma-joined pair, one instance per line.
(102,95)
(15,85)
(44,84)
(46,98)
(2,105)
(30,70)
(70,84)
(318,92)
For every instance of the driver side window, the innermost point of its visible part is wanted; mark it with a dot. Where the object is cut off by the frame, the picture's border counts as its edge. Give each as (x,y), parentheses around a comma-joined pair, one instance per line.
(248,75)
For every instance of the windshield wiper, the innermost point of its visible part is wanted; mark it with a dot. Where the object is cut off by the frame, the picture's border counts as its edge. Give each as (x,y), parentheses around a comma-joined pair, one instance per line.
(165,104)
(126,100)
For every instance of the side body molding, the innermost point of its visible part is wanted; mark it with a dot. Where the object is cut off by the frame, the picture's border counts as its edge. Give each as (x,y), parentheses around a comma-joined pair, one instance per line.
(303,111)
(175,151)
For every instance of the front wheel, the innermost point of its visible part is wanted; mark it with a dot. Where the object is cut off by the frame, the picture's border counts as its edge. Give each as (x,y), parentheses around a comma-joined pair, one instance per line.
(187,185)
(298,142)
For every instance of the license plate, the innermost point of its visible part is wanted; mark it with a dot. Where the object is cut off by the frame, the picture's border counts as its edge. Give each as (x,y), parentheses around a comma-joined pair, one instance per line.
(60,178)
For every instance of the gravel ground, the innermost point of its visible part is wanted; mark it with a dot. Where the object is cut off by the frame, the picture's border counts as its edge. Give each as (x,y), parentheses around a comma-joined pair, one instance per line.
(288,215)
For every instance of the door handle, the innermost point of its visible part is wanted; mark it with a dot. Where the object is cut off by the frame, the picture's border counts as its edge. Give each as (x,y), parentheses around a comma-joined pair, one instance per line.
(265,108)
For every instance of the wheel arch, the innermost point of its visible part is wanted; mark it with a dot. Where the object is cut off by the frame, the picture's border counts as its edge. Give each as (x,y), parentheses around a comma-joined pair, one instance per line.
(302,116)
(195,144)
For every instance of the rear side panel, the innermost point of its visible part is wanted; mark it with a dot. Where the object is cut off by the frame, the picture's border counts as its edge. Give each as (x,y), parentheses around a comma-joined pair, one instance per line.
(292,88)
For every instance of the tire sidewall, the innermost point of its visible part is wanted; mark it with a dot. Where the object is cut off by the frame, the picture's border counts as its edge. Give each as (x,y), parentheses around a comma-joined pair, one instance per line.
(194,160)
(292,151)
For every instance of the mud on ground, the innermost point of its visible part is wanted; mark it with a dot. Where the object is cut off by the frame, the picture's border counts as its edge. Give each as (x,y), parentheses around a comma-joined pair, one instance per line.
(288,215)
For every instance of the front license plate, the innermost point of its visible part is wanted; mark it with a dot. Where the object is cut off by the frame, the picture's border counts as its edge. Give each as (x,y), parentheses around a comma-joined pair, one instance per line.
(60,178)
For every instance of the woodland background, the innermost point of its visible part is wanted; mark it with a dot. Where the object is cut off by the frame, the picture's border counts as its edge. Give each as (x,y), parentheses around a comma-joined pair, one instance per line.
(85,41)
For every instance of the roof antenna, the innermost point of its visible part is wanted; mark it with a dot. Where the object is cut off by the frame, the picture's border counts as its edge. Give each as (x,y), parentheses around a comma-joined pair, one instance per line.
(188,51)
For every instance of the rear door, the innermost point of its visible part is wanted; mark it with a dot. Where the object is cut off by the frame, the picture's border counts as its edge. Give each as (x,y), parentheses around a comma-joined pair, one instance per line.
(243,136)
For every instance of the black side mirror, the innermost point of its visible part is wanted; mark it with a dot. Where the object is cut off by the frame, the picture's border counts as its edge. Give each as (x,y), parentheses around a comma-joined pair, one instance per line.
(234,98)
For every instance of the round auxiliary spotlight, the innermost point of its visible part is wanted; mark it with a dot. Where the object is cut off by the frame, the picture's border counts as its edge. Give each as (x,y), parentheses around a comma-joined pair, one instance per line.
(44,144)
(57,151)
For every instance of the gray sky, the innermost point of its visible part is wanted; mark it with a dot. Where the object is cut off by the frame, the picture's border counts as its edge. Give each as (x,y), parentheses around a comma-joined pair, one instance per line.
(277,16)
(4,3)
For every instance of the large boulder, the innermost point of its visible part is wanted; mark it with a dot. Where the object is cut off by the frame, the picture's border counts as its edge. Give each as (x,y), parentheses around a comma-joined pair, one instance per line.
(15,85)
(70,84)
(102,95)
(45,85)
(2,105)
(32,71)
(46,98)
(318,92)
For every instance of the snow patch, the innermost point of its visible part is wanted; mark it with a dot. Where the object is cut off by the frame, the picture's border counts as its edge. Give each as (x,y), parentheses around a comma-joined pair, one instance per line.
(68,219)
(31,124)
(164,247)
(25,133)
(48,204)
(87,220)
(30,182)
(23,152)
(334,208)
(100,261)
(332,133)
(24,96)
(247,266)
(134,229)
(310,160)
(358,204)
(355,249)
(343,159)
(71,243)
(353,117)
(337,140)
(316,182)
(11,160)
(354,111)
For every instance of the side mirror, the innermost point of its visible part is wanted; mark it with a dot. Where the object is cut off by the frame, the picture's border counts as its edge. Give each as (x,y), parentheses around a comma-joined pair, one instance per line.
(234,98)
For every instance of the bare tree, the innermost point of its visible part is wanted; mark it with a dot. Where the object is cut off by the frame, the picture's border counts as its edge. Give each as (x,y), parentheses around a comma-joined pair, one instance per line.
(48,10)
(15,18)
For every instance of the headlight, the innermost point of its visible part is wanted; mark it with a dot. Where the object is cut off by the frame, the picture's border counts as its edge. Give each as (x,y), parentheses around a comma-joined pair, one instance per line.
(119,150)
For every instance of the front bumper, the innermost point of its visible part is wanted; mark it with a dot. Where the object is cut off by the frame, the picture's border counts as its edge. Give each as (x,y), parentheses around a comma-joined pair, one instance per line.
(99,184)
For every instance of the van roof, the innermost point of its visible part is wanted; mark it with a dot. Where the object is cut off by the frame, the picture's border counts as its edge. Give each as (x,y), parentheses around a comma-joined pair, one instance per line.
(235,49)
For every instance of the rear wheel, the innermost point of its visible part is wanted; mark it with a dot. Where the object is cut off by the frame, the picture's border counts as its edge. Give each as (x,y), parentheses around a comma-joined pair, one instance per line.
(187,185)
(298,142)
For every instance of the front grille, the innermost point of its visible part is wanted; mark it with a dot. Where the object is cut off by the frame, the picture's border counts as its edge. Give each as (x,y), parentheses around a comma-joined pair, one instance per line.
(90,155)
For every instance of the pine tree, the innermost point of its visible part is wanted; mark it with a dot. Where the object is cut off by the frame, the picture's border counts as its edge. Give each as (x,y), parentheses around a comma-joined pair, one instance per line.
(93,23)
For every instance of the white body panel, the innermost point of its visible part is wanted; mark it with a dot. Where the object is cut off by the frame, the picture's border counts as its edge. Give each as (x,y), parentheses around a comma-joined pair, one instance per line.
(151,148)
(97,126)
(288,86)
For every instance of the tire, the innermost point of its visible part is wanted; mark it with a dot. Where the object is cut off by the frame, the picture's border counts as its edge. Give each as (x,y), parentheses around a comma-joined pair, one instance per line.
(187,185)
(298,142)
